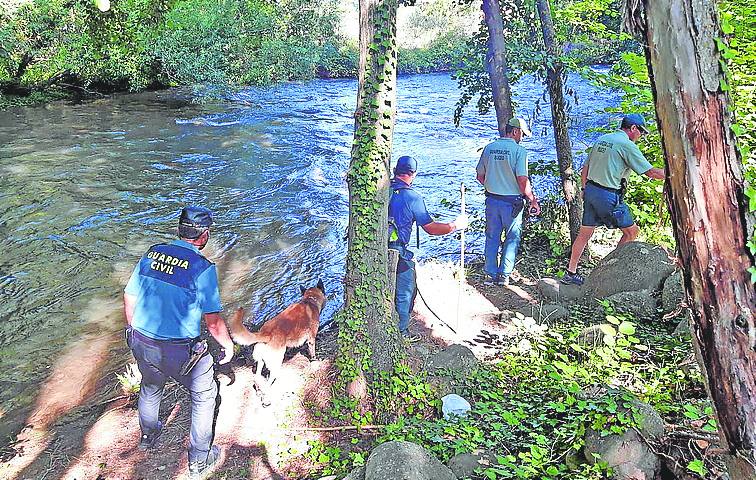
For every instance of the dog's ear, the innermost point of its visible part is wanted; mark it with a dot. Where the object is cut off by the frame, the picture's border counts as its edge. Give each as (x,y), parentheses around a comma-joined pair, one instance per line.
(321,286)
(302,288)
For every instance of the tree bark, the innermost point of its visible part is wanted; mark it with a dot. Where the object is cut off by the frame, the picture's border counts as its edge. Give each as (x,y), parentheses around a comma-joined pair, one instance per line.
(554,72)
(496,64)
(709,209)
(369,341)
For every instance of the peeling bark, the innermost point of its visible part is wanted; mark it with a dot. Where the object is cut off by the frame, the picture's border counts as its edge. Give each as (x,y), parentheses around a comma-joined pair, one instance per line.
(709,211)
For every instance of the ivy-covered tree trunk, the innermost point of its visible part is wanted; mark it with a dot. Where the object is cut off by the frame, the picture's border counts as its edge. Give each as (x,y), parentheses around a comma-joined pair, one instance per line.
(496,63)
(369,341)
(554,72)
(709,209)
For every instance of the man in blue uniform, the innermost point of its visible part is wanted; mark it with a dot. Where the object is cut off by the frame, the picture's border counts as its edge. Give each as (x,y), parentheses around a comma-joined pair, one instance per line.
(406,207)
(503,171)
(172,288)
(604,175)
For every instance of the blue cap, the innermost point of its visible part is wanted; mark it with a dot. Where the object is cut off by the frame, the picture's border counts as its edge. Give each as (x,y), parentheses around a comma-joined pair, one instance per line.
(405,165)
(196,217)
(635,119)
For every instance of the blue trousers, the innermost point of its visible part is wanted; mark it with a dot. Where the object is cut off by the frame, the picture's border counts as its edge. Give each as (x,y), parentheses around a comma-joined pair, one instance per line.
(503,217)
(406,289)
(157,360)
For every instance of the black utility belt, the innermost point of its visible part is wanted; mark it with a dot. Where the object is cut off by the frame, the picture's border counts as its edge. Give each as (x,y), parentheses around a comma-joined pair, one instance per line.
(613,190)
(173,341)
(508,198)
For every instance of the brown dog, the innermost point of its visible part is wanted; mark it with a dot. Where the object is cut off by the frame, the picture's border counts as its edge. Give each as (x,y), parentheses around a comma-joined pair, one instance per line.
(294,326)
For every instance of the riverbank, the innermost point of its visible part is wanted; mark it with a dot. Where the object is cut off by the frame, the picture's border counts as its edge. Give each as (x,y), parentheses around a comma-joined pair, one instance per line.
(300,437)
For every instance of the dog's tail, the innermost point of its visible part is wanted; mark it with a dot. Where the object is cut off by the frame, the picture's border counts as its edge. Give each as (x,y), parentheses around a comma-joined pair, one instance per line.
(239,332)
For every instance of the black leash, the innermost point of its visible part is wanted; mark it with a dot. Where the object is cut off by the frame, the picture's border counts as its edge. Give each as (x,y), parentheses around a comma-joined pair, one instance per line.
(431,310)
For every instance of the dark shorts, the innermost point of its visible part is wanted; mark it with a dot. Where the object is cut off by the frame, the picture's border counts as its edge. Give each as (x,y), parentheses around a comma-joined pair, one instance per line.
(604,207)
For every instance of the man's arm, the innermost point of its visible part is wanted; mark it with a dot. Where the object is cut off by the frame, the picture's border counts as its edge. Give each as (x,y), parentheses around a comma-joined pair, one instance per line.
(527,191)
(655,173)
(481,178)
(217,328)
(438,228)
(129,301)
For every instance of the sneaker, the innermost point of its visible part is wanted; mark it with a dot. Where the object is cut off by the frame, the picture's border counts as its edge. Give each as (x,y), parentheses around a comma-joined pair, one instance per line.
(504,281)
(200,470)
(149,439)
(572,279)
(491,281)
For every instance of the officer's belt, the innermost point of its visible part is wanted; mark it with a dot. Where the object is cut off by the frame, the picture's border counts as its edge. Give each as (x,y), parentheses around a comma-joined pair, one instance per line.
(172,341)
(613,190)
(507,198)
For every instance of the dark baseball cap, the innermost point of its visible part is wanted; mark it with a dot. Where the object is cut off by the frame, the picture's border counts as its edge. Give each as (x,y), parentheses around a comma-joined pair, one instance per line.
(635,119)
(193,221)
(405,165)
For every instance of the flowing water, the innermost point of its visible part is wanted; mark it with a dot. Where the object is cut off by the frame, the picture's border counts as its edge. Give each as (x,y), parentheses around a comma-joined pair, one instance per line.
(85,189)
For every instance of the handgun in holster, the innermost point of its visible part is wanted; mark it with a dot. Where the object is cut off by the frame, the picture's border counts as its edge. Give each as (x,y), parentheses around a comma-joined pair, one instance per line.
(199,349)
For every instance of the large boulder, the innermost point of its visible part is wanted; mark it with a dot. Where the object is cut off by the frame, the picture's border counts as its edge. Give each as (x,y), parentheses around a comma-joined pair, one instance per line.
(628,454)
(405,461)
(640,304)
(673,293)
(356,474)
(547,313)
(631,267)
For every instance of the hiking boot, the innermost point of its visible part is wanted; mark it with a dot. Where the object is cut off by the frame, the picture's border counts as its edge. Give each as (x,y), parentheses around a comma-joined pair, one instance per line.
(149,439)
(491,281)
(200,470)
(572,279)
(504,281)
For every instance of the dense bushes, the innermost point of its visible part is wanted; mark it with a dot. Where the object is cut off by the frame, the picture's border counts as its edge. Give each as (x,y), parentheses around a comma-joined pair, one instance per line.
(71,45)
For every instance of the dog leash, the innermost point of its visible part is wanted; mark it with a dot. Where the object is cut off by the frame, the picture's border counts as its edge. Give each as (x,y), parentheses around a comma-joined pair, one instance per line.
(431,310)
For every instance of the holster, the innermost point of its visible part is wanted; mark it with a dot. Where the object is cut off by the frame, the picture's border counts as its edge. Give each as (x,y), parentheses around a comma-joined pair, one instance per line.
(197,351)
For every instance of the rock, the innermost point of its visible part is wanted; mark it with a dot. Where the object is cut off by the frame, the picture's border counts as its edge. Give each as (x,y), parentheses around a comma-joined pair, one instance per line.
(673,293)
(356,474)
(640,304)
(547,313)
(553,290)
(454,405)
(683,329)
(405,461)
(631,267)
(592,336)
(463,465)
(449,366)
(329,477)
(628,454)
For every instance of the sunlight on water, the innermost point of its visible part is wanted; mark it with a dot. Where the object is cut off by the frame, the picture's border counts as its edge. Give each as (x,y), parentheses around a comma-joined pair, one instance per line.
(86,189)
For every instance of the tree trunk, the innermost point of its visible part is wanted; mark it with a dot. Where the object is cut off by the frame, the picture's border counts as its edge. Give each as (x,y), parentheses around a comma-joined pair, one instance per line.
(554,72)
(369,341)
(496,63)
(709,209)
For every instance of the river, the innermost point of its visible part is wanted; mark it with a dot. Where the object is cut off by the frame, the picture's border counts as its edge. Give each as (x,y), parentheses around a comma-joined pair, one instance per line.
(86,188)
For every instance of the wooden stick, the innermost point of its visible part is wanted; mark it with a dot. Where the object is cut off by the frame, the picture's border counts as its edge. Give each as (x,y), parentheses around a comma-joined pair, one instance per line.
(461,256)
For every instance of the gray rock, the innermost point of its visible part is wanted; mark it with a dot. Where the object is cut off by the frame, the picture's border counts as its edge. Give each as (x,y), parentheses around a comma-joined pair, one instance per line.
(463,465)
(405,461)
(456,358)
(547,313)
(673,293)
(683,329)
(448,367)
(553,290)
(591,336)
(633,266)
(628,454)
(640,304)
(356,474)
(329,477)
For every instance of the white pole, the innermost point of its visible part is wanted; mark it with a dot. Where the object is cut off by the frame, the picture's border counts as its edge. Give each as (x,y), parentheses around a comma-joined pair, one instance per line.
(461,257)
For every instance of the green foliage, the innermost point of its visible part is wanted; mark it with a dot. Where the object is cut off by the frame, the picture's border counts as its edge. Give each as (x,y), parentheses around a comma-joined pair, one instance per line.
(442,54)
(535,400)
(130,380)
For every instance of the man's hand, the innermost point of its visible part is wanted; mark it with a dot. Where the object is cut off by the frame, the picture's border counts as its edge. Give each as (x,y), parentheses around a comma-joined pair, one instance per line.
(461,222)
(535,208)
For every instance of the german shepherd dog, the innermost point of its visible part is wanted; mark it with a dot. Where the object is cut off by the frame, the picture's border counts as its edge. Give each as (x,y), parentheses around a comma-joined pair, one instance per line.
(296,325)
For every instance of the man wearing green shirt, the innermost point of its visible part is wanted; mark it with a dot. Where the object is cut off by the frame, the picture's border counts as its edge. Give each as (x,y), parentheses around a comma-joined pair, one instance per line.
(604,175)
